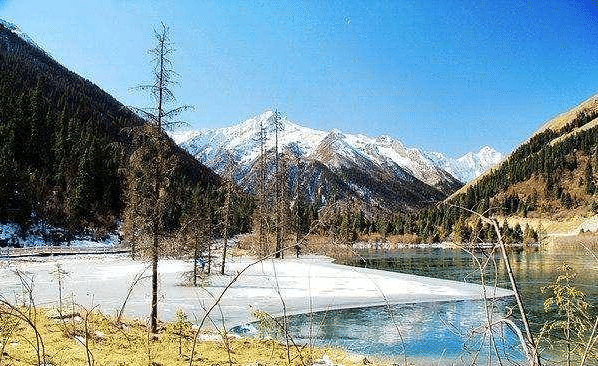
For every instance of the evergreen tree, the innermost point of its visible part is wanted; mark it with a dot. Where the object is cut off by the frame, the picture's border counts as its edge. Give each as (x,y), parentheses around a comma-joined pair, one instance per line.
(589,175)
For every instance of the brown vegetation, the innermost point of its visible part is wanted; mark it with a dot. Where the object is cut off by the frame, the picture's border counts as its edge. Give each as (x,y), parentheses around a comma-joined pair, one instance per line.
(128,343)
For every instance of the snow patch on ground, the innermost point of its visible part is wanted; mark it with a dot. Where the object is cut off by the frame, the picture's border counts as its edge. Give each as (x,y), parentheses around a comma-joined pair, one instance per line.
(308,283)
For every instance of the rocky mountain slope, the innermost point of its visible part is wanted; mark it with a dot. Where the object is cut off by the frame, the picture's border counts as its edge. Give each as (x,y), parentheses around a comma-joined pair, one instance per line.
(378,172)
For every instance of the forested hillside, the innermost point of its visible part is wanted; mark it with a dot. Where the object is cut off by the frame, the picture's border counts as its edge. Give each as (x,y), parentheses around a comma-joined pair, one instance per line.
(65,147)
(551,173)
(551,176)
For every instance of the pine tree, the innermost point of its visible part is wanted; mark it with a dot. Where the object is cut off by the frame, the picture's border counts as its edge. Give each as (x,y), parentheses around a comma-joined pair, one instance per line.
(590,185)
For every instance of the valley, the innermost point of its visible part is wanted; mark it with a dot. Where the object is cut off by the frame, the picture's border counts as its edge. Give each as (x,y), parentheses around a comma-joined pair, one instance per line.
(298,187)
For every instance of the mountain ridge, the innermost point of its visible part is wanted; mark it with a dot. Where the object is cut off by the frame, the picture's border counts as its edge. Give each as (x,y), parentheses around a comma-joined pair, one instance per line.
(306,139)
(382,158)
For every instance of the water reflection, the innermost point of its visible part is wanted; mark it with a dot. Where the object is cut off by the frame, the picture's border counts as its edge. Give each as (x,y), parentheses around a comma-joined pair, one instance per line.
(451,332)
(532,271)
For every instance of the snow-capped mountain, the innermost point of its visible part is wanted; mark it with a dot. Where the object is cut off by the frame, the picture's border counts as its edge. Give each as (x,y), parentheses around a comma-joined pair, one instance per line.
(470,165)
(380,172)
(241,143)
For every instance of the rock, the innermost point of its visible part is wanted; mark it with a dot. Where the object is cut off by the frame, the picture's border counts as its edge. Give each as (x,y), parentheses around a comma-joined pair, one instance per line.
(324,361)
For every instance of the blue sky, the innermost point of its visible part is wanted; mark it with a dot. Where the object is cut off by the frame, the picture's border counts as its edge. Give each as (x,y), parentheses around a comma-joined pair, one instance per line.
(448,75)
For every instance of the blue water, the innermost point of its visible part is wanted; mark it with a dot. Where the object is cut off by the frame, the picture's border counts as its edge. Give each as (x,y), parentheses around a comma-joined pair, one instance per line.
(447,332)
(433,330)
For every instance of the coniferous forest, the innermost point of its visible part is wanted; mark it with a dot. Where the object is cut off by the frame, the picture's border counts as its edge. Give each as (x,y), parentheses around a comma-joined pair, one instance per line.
(65,146)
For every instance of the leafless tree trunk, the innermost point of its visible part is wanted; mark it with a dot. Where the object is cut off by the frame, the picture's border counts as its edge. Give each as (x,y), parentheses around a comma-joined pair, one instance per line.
(297,204)
(195,258)
(262,199)
(226,215)
(277,123)
(158,118)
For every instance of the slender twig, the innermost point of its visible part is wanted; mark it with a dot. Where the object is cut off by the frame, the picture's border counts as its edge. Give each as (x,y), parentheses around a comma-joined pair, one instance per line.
(232,282)
(590,344)
(140,276)
(531,348)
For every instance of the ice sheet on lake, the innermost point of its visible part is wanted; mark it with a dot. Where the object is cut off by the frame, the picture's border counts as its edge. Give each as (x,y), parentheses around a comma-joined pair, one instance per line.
(310,283)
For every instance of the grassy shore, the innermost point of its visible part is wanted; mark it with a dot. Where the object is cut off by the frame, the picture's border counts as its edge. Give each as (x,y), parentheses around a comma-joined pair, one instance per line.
(90,338)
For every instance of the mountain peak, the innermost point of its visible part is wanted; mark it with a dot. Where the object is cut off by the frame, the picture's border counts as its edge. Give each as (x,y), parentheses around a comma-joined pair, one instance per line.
(335,134)
(266,120)
(486,149)
(254,122)
(470,165)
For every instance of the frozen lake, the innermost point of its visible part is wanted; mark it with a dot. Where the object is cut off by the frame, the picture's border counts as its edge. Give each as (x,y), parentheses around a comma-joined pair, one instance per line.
(310,283)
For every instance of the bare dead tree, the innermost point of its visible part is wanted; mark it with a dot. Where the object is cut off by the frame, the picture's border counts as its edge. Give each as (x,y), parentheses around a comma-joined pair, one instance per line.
(297,203)
(278,127)
(196,229)
(262,198)
(284,205)
(229,186)
(153,196)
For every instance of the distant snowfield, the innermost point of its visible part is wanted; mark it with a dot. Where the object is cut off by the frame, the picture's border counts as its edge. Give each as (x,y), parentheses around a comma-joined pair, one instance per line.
(309,283)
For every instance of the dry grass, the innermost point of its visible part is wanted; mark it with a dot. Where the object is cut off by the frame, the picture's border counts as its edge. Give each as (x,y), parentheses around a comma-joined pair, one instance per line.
(131,345)
(372,238)
(312,244)
(577,243)
(544,225)
(396,240)
(246,242)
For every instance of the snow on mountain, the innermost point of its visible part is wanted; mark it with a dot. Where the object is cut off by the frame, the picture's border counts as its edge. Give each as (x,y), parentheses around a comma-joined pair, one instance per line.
(241,142)
(380,171)
(377,171)
(470,165)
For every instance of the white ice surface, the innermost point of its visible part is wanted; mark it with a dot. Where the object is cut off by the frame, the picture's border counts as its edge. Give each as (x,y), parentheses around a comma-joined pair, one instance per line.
(309,283)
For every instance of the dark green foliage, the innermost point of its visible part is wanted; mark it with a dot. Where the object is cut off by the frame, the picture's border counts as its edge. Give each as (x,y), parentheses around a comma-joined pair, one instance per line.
(61,144)
(65,147)
(589,179)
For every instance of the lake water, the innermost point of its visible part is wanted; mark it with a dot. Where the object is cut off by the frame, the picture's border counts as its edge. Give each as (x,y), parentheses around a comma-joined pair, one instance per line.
(449,332)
